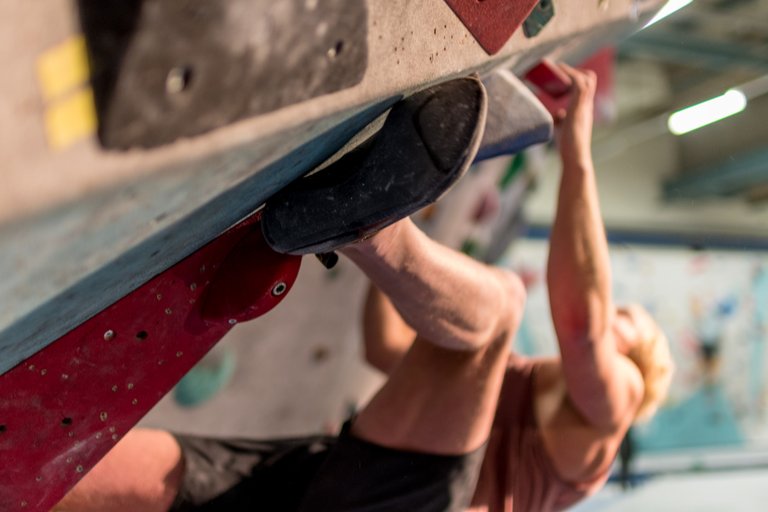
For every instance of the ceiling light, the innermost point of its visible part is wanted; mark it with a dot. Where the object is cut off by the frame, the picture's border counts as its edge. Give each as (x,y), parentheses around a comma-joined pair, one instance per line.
(707,112)
(671,7)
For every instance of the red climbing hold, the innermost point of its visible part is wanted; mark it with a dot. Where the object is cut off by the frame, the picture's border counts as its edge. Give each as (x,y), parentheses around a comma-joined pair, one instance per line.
(492,22)
(66,406)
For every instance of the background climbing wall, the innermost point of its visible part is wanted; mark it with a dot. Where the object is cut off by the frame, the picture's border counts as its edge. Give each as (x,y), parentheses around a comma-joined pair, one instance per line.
(713,306)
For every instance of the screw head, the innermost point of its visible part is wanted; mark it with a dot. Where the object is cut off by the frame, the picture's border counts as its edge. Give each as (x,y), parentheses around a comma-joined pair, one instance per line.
(279,289)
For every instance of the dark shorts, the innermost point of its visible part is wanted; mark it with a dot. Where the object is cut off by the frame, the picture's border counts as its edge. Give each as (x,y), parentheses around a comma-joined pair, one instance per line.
(321,474)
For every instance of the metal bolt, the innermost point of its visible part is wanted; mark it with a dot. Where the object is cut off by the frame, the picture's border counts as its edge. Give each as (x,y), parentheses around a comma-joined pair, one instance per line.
(109,335)
(279,289)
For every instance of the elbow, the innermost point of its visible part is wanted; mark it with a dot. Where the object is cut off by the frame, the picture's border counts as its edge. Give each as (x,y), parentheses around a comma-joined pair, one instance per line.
(579,321)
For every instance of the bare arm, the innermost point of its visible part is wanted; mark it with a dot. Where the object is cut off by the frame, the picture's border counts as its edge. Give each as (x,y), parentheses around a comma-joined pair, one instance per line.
(386,335)
(579,277)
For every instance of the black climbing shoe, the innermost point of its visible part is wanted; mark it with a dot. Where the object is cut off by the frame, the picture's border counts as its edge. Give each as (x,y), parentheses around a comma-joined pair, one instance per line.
(425,145)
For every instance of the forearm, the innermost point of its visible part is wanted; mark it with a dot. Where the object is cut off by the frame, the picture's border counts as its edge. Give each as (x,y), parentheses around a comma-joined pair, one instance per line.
(443,295)
(578,271)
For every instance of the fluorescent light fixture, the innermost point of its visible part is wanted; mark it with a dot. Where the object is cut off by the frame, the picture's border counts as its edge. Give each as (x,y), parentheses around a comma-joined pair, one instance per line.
(670,8)
(707,112)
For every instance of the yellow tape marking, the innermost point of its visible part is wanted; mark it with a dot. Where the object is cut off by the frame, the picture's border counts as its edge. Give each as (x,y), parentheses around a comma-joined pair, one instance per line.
(71,119)
(63,67)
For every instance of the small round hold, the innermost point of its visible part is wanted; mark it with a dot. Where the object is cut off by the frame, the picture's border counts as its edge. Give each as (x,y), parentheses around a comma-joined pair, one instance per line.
(114,437)
(103,416)
(79,469)
(43,371)
(23,504)
(279,289)
(64,376)
(98,435)
(112,430)
(38,478)
(179,353)
(134,401)
(69,460)
(193,286)
(130,385)
(159,296)
(168,311)
(232,321)
(109,335)
(114,388)
(31,367)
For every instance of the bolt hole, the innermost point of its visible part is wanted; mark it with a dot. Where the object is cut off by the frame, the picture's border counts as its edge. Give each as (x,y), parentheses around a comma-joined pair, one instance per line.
(66,422)
(179,79)
(142,335)
(334,51)
(320,354)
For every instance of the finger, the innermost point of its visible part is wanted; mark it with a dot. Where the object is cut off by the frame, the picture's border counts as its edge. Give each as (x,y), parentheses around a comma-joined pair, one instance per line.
(572,72)
(579,80)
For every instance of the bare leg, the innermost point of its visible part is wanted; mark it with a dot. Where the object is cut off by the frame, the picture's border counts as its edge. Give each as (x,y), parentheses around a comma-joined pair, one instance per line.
(142,472)
(441,398)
